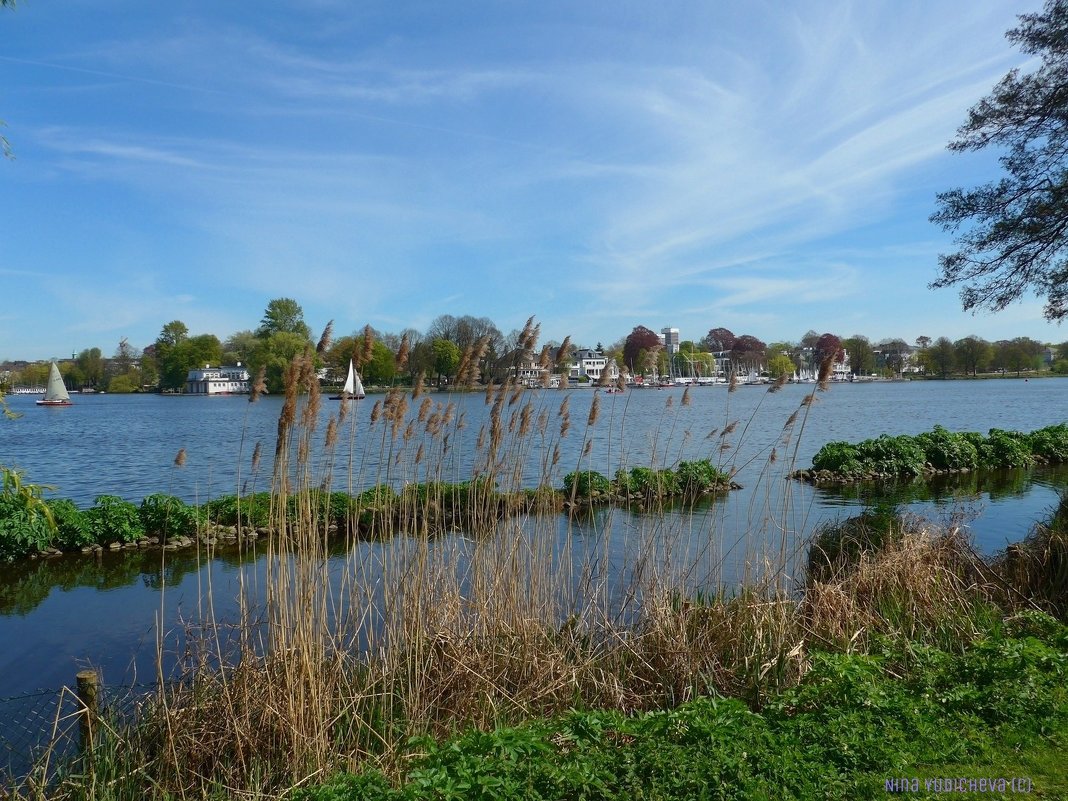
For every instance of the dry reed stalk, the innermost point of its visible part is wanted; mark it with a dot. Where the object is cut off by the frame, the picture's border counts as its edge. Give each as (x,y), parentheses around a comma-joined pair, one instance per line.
(401,359)
(826,368)
(367,351)
(259,386)
(326,338)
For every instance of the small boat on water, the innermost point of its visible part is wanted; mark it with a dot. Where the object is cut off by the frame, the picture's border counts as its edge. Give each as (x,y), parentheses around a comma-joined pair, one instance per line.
(353,389)
(56,393)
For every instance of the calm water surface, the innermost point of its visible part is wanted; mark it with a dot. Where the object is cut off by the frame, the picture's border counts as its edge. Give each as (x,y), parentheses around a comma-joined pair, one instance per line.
(59,615)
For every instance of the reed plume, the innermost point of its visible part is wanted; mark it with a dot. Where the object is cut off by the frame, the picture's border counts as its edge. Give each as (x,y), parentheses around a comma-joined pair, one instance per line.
(325,339)
(562,351)
(179,458)
(826,366)
(403,351)
(368,344)
(594,410)
(259,385)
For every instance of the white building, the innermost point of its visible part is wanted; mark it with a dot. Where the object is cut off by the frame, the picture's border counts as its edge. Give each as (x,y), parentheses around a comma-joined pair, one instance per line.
(669,338)
(592,364)
(224,380)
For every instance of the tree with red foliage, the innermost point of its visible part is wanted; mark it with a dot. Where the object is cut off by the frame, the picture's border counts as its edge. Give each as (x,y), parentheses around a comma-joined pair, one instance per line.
(828,346)
(719,339)
(747,352)
(638,340)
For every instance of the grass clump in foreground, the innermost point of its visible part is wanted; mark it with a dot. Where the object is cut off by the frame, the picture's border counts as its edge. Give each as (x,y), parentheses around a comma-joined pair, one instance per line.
(902,711)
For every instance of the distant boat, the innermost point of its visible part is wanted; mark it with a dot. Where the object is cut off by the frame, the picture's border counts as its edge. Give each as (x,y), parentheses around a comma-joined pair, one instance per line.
(353,389)
(56,394)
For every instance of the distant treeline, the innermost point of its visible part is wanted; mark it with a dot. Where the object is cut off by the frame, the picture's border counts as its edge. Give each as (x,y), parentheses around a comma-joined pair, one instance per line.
(469,348)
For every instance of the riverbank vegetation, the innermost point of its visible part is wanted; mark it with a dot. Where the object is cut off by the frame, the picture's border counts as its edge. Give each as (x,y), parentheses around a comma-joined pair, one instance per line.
(629,624)
(31,525)
(904,656)
(934,452)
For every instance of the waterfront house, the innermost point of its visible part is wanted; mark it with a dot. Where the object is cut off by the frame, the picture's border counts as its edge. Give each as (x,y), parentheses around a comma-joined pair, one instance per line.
(224,380)
(591,364)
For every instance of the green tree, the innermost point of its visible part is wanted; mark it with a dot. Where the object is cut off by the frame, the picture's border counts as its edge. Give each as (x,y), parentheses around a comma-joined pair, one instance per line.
(187,355)
(382,368)
(779,365)
(274,353)
(125,383)
(283,315)
(238,347)
(861,354)
(446,358)
(940,357)
(1011,233)
(973,354)
(1017,355)
(172,333)
(89,369)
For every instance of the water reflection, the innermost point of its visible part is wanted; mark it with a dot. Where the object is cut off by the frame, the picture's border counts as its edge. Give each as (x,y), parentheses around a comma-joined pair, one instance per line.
(994,485)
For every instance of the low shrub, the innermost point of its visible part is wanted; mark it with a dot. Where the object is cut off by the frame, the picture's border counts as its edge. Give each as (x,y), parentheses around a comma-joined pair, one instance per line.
(73,529)
(699,476)
(254,510)
(1050,444)
(653,483)
(838,457)
(892,456)
(945,450)
(25,527)
(113,519)
(585,483)
(167,516)
(1007,449)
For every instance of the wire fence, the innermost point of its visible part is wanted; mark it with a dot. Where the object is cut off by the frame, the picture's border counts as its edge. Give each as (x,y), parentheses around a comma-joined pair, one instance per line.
(51,724)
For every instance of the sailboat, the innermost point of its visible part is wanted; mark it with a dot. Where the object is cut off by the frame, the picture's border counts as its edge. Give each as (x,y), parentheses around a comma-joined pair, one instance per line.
(353,388)
(56,394)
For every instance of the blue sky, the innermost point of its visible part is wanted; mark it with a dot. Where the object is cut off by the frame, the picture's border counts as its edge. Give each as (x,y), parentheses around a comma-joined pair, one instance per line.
(764,166)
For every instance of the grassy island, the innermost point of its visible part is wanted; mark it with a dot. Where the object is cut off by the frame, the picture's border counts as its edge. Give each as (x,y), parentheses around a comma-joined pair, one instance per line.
(934,452)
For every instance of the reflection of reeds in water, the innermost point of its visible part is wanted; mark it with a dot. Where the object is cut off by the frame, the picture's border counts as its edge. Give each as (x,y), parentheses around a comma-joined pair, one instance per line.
(480,610)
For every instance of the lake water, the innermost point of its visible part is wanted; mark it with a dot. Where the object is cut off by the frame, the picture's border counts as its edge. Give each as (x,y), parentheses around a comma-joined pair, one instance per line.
(61,614)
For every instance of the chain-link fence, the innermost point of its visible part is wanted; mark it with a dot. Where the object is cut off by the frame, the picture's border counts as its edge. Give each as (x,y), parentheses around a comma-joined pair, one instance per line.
(52,724)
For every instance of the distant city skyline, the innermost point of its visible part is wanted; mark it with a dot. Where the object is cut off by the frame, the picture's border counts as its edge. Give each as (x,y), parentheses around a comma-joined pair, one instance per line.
(693,165)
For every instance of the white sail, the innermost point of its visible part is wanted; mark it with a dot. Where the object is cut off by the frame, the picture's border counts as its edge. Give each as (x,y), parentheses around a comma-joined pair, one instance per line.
(57,390)
(350,382)
(353,386)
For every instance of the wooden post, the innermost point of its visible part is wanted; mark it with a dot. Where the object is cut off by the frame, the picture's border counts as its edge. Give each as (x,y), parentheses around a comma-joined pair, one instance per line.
(88,694)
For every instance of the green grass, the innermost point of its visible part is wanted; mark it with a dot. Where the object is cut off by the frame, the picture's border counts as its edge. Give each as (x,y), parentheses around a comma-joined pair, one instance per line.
(999,709)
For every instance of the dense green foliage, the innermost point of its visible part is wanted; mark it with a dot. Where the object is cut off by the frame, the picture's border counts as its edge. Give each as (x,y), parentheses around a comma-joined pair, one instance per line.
(29,526)
(905,456)
(856,721)
(687,479)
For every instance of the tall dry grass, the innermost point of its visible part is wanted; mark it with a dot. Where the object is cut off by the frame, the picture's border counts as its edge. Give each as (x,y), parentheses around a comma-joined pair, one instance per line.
(481,614)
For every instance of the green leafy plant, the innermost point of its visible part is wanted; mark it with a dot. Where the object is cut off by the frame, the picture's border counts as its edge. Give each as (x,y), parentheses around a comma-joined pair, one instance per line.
(113,519)
(699,476)
(585,483)
(167,516)
(945,450)
(1007,449)
(72,524)
(26,521)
